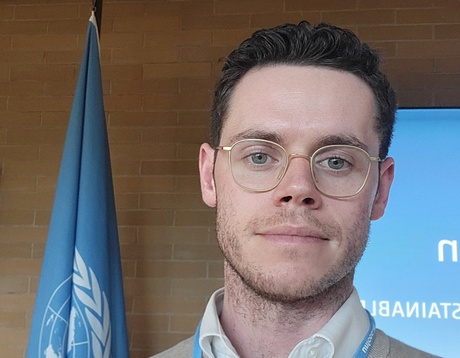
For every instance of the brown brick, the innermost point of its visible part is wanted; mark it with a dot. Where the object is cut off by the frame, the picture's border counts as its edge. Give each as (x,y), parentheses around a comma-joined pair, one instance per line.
(119,71)
(140,86)
(216,269)
(44,42)
(168,304)
(394,4)
(17,217)
(22,267)
(13,234)
(16,136)
(16,250)
(320,5)
(179,8)
(231,37)
(172,269)
(37,104)
(184,323)
(127,234)
(13,341)
(43,73)
(137,151)
(143,24)
(174,135)
(216,22)
(125,167)
(143,218)
(195,218)
(447,65)
(162,54)
(67,26)
(12,319)
(188,184)
(178,167)
(63,57)
(19,152)
(410,98)
(156,41)
(203,54)
(59,88)
(353,18)
(446,98)
(120,10)
(128,268)
(124,136)
(196,101)
(143,119)
(22,57)
(197,252)
(6,12)
(199,119)
(175,70)
(451,31)
(51,11)
(149,322)
(160,340)
(427,16)
(151,251)
(127,201)
(270,20)
(147,286)
(433,49)
(395,32)
(171,201)
(12,302)
(173,234)
(249,7)
(42,217)
(144,184)
(13,285)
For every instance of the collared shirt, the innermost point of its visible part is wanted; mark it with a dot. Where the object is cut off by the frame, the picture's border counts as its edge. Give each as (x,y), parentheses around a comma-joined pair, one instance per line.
(339,338)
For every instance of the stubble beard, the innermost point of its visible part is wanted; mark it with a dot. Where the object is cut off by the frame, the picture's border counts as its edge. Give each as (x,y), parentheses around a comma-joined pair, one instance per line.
(336,282)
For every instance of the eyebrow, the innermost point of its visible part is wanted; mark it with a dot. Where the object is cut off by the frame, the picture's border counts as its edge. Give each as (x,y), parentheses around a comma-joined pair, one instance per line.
(341,139)
(256,134)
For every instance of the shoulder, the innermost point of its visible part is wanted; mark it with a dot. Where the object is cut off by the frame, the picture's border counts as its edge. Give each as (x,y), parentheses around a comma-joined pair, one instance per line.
(388,347)
(183,349)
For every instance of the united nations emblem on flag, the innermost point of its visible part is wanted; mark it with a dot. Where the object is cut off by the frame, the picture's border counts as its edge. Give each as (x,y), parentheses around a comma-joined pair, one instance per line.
(88,329)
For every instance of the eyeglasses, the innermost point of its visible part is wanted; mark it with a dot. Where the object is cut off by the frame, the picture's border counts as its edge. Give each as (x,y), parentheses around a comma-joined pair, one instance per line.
(338,171)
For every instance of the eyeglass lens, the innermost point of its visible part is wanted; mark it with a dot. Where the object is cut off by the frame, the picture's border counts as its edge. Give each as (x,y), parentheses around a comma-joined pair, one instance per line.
(337,170)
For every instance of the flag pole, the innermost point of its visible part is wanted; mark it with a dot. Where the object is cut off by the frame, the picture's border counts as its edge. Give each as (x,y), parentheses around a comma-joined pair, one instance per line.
(97,8)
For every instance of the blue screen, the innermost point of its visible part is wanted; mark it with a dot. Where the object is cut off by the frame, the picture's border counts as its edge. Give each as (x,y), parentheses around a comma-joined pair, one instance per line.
(409,276)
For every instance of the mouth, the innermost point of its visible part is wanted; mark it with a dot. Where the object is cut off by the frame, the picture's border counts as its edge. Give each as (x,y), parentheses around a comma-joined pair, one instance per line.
(292,234)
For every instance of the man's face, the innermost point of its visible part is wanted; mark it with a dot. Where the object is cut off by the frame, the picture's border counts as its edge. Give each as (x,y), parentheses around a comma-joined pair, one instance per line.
(293,242)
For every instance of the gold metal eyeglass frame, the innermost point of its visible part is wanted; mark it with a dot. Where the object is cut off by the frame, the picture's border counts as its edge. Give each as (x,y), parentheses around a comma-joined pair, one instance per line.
(297,155)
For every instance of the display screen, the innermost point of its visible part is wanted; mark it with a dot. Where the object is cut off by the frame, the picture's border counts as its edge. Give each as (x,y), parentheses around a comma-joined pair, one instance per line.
(409,277)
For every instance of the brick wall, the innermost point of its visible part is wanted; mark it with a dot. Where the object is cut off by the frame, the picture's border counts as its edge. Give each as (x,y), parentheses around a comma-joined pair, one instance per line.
(160,60)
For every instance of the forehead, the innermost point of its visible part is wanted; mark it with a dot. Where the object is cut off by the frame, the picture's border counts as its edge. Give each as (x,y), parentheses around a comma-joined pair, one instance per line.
(301,103)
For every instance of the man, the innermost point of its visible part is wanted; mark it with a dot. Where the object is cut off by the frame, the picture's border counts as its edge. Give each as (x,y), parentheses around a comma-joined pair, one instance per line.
(297,167)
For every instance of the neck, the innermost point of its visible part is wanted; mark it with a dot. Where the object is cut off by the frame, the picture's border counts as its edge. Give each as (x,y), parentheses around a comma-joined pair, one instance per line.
(258,327)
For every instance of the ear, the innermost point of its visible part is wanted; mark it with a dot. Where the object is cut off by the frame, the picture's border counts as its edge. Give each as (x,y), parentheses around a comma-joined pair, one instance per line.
(387,169)
(206,163)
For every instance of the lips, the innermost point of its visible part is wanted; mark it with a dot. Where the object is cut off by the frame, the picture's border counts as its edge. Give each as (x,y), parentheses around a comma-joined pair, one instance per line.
(292,233)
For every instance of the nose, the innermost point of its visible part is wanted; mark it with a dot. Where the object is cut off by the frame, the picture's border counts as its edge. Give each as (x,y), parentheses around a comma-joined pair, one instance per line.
(297,186)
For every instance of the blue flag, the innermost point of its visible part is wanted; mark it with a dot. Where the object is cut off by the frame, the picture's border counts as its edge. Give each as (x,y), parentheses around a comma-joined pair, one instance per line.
(79,309)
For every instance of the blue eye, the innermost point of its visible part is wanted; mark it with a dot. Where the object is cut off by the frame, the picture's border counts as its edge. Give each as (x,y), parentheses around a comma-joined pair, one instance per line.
(336,163)
(259,158)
